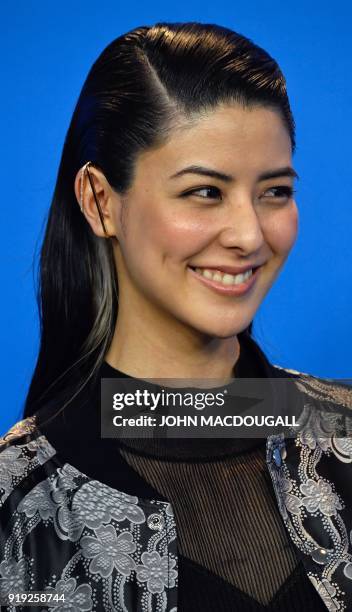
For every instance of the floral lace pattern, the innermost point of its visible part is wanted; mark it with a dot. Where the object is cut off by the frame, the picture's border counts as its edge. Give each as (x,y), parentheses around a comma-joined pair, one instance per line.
(102,552)
(19,460)
(318,516)
(108,550)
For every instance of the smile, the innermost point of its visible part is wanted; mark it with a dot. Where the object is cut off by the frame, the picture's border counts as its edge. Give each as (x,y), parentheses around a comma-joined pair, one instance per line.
(224,283)
(224,278)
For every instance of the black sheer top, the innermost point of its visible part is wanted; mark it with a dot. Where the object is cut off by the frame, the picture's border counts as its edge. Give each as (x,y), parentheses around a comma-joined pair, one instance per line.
(234,551)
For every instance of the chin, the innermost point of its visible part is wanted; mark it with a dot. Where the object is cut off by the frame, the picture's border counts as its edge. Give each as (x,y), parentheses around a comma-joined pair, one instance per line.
(222,329)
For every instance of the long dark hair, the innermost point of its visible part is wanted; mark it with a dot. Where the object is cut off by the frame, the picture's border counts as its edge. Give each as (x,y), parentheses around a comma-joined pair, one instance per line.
(140,83)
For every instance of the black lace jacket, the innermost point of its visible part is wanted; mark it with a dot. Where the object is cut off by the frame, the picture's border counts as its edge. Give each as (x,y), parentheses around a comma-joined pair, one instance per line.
(62,532)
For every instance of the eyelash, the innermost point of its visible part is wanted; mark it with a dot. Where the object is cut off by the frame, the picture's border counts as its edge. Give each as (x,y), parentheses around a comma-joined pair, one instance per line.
(286,191)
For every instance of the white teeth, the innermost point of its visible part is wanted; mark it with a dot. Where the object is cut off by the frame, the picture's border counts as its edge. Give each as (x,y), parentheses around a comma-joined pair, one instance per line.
(228,279)
(224,278)
(217,276)
(206,273)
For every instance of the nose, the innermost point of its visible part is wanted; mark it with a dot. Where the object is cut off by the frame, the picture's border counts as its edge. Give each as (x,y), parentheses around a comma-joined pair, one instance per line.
(242,229)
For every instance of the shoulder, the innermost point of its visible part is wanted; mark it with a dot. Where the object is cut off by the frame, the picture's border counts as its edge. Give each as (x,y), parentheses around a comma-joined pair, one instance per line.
(22,450)
(327,390)
(17,431)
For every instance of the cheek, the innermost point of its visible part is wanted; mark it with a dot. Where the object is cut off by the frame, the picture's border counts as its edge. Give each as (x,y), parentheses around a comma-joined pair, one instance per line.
(280,229)
(172,235)
(182,239)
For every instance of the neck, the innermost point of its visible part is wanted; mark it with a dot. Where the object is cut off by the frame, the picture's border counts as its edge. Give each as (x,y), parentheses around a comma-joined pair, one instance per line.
(147,348)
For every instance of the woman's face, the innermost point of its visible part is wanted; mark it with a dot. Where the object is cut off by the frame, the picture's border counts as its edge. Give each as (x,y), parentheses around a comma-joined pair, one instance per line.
(180,226)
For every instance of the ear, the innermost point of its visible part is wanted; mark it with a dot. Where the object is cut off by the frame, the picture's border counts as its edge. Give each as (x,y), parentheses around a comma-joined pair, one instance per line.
(108,199)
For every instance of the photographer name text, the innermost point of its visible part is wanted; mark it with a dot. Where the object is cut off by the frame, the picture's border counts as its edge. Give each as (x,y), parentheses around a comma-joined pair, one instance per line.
(200,420)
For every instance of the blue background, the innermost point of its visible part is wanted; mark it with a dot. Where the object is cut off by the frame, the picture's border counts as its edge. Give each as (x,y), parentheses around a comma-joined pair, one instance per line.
(48,48)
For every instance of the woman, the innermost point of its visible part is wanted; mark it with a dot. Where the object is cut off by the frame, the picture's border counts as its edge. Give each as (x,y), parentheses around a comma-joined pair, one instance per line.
(173,214)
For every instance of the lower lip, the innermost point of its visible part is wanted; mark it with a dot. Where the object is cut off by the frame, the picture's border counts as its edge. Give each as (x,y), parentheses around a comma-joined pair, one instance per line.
(240,289)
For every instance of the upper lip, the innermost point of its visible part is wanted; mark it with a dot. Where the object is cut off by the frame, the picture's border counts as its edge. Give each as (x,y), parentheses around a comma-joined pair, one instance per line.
(230,269)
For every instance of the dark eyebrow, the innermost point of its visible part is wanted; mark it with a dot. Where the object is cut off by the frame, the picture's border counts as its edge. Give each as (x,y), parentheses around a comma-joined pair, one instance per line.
(285,171)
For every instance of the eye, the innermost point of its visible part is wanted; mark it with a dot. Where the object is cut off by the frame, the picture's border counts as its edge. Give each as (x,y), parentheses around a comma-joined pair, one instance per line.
(281,192)
(214,191)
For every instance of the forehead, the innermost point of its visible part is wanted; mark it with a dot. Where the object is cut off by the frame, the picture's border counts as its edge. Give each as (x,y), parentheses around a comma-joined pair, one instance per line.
(232,138)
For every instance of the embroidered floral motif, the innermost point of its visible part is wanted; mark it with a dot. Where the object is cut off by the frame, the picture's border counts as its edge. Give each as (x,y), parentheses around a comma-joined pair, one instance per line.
(309,504)
(18,460)
(38,500)
(316,427)
(11,465)
(14,576)
(95,503)
(108,550)
(319,496)
(97,560)
(90,505)
(156,571)
(76,598)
